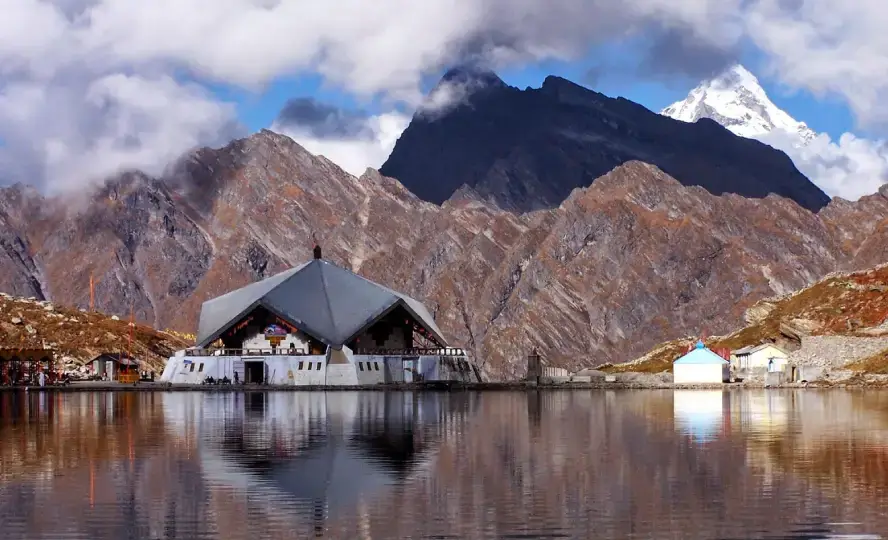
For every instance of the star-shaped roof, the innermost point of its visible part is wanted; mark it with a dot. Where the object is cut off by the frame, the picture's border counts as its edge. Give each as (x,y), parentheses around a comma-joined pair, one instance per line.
(327,302)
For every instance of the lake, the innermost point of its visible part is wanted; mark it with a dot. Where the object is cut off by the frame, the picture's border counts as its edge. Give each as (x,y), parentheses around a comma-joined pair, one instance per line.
(361,465)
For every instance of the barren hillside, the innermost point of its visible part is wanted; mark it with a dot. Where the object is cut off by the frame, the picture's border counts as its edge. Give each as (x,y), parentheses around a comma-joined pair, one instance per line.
(77,336)
(850,304)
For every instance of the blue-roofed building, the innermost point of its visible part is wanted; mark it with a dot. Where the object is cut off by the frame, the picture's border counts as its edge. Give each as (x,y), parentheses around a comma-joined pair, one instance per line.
(318,324)
(701,366)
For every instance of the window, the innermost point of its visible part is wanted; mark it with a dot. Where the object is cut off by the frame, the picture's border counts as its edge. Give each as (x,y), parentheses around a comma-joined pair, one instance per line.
(301,364)
(319,366)
(200,369)
(376,365)
(309,366)
(361,366)
(192,367)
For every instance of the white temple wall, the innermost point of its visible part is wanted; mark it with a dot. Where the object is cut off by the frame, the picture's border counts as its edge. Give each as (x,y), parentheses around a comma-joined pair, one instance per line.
(315,370)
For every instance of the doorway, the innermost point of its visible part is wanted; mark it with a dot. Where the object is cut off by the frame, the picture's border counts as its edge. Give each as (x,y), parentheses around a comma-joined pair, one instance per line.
(254,371)
(411,369)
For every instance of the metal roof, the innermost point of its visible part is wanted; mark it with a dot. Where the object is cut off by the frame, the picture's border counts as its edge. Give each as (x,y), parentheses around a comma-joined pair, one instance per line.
(701,355)
(328,302)
(750,349)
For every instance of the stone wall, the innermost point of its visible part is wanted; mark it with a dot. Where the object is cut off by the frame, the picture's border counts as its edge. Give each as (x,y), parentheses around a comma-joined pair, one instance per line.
(836,351)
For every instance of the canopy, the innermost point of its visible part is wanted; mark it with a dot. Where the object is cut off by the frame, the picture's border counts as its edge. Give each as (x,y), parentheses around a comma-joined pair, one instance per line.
(323,300)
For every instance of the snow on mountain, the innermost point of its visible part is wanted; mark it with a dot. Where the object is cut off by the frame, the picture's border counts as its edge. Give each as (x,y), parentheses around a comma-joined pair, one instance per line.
(736,100)
(849,166)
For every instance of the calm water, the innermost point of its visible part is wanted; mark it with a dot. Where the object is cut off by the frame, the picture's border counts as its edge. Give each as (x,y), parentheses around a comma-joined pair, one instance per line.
(600,464)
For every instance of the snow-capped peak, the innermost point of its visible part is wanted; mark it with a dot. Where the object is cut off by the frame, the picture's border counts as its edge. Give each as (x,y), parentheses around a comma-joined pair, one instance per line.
(736,100)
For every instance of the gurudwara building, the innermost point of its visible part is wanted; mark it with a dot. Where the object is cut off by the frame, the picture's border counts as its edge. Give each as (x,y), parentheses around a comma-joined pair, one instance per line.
(318,324)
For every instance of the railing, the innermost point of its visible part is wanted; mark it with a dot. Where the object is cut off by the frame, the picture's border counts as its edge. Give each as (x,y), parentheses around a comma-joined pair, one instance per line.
(555,372)
(443,351)
(279,351)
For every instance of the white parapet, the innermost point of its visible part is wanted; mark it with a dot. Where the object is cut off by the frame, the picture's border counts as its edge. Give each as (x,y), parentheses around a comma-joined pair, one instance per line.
(309,370)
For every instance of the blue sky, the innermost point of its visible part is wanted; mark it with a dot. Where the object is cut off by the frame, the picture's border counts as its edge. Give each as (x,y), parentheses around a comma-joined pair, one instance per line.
(829,115)
(108,73)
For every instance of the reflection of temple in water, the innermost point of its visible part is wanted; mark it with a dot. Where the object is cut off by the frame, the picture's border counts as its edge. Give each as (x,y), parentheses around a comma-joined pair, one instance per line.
(324,453)
(189,465)
(612,464)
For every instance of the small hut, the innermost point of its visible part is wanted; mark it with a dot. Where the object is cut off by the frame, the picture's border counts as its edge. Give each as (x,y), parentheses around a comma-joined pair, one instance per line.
(701,366)
(112,364)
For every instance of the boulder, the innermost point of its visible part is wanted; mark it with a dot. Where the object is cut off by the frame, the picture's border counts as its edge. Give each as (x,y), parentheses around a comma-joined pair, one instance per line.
(759,312)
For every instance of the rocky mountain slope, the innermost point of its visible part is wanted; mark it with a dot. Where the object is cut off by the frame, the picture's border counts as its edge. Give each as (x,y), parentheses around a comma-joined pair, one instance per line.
(736,100)
(853,304)
(527,149)
(77,336)
(634,260)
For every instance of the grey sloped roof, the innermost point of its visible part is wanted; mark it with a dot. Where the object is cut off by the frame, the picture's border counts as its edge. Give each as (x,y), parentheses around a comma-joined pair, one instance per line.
(327,302)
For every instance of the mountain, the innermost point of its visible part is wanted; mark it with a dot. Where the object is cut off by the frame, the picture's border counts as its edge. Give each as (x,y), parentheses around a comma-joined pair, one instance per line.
(633,260)
(525,150)
(737,101)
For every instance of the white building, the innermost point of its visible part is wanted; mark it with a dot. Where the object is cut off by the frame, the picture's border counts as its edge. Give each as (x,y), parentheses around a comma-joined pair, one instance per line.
(701,366)
(765,356)
(318,324)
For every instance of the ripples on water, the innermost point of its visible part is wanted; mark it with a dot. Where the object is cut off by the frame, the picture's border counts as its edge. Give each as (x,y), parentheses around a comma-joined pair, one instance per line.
(573,464)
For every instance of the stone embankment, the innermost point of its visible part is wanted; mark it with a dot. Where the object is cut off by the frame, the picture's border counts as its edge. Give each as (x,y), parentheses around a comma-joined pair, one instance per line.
(836,352)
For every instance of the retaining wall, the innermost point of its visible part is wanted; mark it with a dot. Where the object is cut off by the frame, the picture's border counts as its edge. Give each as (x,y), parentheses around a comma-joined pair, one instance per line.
(834,352)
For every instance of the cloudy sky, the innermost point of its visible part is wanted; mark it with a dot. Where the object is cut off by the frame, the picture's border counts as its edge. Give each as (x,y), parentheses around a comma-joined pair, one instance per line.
(89,87)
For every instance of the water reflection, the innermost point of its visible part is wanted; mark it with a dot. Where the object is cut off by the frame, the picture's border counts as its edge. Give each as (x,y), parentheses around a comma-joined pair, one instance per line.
(614,464)
(337,452)
(701,413)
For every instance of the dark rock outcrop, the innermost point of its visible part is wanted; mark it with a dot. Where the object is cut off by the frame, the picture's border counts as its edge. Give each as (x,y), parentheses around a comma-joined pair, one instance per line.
(527,149)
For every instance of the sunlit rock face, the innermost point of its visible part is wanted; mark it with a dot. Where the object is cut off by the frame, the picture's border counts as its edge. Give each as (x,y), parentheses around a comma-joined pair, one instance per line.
(633,260)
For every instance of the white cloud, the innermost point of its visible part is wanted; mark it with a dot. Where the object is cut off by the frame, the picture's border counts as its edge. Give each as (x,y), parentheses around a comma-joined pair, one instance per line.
(849,168)
(366,147)
(68,132)
(56,56)
(829,48)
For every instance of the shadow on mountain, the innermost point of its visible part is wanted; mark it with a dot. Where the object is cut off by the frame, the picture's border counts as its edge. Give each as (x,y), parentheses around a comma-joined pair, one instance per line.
(528,149)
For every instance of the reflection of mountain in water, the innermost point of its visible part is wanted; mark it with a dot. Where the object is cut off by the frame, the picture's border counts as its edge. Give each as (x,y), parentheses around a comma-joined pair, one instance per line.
(569,464)
(292,448)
